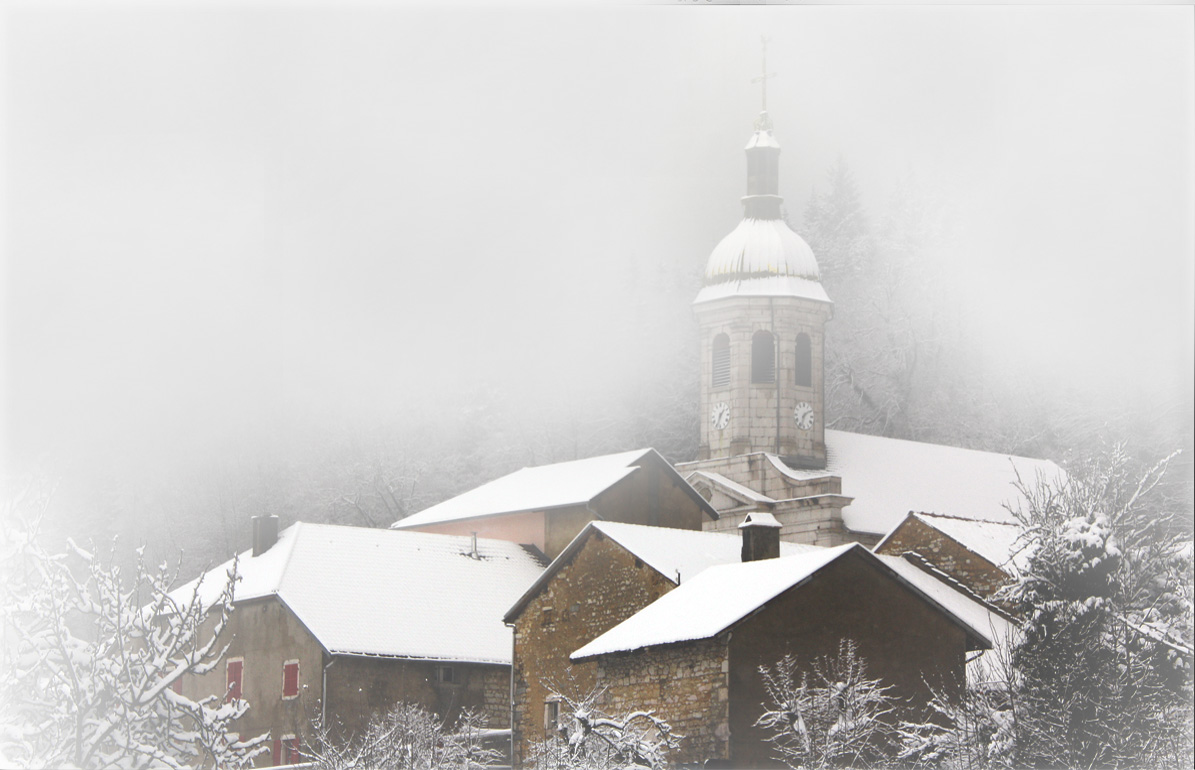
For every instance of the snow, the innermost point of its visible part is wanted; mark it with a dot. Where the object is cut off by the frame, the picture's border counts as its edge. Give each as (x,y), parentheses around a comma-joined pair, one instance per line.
(733,488)
(711,602)
(760,519)
(677,554)
(766,286)
(533,489)
(758,251)
(995,541)
(890,477)
(989,625)
(687,552)
(762,139)
(382,592)
(721,596)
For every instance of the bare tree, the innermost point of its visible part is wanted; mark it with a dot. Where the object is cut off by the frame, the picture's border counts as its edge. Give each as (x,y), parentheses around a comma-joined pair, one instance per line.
(406,737)
(831,715)
(92,656)
(589,738)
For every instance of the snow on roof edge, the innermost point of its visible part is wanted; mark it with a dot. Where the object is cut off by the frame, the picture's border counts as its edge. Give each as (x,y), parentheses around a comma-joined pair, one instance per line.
(830,555)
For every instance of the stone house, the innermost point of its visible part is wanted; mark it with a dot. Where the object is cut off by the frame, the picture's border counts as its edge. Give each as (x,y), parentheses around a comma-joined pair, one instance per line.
(347,621)
(693,656)
(547,505)
(607,573)
(979,554)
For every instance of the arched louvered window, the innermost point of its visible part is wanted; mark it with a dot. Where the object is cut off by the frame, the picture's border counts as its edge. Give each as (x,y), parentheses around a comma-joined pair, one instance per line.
(720,374)
(763,357)
(804,362)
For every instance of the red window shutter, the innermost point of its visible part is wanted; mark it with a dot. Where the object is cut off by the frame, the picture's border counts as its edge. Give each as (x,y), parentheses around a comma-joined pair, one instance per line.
(292,751)
(236,669)
(277,751)
(290,680)
(177,685)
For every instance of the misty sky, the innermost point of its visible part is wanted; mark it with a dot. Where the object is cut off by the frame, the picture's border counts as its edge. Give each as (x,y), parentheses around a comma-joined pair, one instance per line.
(216,216)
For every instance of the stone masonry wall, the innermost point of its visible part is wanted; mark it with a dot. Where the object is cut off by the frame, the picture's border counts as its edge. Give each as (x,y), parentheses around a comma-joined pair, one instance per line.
(598,588)
(948,555)
(361,686)
(753,423)
(683,684)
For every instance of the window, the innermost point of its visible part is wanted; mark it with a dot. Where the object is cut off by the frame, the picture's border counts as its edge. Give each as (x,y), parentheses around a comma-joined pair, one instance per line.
(804,361)
(545,616)
(551,715)
(720,374)
(235,668)
(286,750)
(177,685)
(446,674)
(290,750)
(763,357)
(290,679)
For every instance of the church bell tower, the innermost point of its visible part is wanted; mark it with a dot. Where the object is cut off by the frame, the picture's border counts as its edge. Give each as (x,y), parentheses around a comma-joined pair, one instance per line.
(762,313)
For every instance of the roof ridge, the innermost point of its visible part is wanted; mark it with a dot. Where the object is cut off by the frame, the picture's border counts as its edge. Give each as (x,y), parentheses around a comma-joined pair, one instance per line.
(1009,455)
(963,518)
(290,554)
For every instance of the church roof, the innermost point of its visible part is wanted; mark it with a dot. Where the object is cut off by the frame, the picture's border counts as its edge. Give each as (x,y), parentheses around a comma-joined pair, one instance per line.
(996,541)
(720,597)
(676,554)
(762,257)
(890,477)
(363,591)
(543,487)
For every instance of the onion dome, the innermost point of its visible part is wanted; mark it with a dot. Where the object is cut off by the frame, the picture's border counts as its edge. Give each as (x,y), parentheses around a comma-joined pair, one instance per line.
(762,256)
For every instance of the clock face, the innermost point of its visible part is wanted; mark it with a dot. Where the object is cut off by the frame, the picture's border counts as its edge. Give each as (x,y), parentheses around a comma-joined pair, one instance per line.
(720,416)
(803,414)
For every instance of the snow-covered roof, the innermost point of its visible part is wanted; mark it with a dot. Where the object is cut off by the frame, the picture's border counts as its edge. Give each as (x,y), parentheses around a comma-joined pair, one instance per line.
(762,257)
(710,603)
(721,596)
(995,541)
(990,625)
(677,554)
(733,488)
(762,138)
(764,286)
(539,488)
(890,477)
(382,592)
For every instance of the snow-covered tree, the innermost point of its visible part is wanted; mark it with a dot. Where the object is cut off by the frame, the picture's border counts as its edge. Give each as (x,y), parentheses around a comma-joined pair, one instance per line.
(92,655)
(1103,671)
(407,737)
(975,731)
(589,738)
(829,715)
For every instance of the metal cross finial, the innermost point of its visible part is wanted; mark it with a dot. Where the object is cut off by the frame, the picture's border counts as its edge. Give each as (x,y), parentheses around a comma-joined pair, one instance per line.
(764,74)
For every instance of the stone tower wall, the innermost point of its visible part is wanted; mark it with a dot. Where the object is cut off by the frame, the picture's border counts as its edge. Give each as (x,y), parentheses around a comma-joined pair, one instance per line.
(761,415)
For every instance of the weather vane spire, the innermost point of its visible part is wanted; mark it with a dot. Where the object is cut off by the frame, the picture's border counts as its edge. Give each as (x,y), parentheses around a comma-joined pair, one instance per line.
(764,74)
(764,122)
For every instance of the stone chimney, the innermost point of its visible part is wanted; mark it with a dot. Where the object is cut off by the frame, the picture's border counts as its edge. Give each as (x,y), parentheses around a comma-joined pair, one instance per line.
(265,533)
(761,536)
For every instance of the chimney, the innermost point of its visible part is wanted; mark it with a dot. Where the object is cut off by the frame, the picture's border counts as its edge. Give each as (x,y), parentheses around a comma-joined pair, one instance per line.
(265,533)
(761,536)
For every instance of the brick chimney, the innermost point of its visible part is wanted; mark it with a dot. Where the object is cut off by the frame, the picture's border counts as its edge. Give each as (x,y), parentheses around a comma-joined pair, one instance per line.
(265,533)
(761,536)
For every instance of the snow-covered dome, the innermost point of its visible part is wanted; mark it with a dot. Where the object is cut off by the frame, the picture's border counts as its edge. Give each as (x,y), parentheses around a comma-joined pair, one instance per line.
(759,248)
(762,258)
